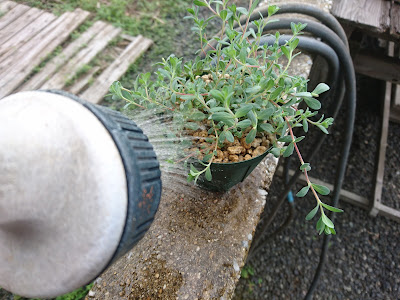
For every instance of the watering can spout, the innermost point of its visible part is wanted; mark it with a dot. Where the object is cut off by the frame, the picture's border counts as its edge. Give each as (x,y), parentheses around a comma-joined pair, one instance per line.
(70,189)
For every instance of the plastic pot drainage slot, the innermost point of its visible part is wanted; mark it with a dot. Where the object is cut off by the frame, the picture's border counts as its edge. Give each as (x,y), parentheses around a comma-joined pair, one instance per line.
(79,187)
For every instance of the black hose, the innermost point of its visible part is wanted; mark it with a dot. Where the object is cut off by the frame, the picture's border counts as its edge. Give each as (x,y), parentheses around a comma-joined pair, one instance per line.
(324,17)
(339,45)
(256,248)
(349,77)
(312,46)
(316,47)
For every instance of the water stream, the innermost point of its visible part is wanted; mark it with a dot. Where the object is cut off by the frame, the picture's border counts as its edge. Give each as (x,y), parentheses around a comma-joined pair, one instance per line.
(171,145)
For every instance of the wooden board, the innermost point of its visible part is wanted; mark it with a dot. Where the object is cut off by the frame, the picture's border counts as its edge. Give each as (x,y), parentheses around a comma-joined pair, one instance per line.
(83,81)
(96,92)
(61,60)
(5,6)
(9,45)
(12,15)
(27,57)
(13,28)
(82,58)
(29,35)
(377,66)
(373,13)
(395,19)
(378,17)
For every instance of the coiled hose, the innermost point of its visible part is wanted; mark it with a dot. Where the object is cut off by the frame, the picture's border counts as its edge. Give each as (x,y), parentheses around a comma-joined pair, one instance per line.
(333,34)
(346,67)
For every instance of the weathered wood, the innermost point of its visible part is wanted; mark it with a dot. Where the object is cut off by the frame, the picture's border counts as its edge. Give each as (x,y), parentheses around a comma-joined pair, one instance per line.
(78,86)
(379,18)
(373,13)
(9,46)
(380,165)
(395,19)
(395,114)
(5,6)
(33,52)
(96,92)
(13,28)
(12,15)
(60,60)
(82,58)
(345,195)
(378,66)
(350,197)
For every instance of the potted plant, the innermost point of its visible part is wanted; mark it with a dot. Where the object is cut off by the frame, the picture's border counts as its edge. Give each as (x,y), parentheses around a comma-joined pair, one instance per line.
(235,99)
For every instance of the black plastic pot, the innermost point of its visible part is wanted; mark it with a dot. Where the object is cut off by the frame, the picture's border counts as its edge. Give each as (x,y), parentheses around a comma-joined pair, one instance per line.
(227,175)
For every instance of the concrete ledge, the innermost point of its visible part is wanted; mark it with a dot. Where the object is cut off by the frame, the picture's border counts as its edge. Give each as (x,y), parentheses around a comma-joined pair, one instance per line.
(196,246)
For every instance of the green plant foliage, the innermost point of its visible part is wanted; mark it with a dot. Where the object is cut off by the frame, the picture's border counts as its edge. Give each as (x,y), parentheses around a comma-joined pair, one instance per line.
(78,294)
(238,86)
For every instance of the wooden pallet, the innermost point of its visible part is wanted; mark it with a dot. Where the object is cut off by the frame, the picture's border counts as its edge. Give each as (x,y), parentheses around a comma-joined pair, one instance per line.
(28,35)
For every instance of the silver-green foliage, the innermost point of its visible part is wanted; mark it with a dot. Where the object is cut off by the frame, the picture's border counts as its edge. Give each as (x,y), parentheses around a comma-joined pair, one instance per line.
(240,87)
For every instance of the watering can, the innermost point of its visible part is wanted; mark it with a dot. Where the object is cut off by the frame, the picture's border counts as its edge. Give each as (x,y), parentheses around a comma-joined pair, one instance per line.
(79,187)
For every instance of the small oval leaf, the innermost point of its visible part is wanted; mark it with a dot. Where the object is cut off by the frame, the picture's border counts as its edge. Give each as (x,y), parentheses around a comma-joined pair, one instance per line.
(312,213)
(251,136)
(303,191)
(321,189)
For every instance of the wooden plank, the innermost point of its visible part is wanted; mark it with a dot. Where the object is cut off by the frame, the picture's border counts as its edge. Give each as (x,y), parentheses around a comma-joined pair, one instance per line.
(395,19)
(83,81)
(14,27)
(367,13)
(60,60)
(12,15)
(378,66)
(10,47)
(33,52)
(350,197)
(380,166)
(395,114)
(6,6)
(345,195)
(96,92)
(82,58)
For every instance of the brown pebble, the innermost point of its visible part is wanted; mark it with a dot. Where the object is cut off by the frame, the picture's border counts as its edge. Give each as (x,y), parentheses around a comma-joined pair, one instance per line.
(256,142)
(259,150)
(236,142)
(265,142)
(226,160)
(233,158)
(220,154)
(157,275)
(247,156)
(243,143)
(240,157)
(236,150)
(217,160)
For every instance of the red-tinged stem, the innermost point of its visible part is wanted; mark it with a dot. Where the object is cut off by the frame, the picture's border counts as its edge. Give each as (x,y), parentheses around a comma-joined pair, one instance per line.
(247,21)
(208,44)
(301,160)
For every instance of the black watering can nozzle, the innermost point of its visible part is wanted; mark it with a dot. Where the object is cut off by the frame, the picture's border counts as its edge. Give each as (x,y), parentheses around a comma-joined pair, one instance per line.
(79,186)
